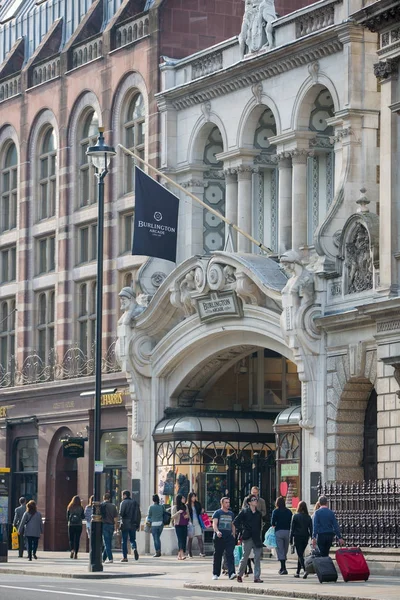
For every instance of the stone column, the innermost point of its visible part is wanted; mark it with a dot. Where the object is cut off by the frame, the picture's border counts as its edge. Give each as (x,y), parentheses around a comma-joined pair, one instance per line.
(192,218)
(244,205)
(285,203)
(231,202)
(299,198)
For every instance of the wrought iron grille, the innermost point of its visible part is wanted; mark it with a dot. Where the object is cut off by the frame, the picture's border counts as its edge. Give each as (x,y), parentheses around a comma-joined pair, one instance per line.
(368,512)
(73,364)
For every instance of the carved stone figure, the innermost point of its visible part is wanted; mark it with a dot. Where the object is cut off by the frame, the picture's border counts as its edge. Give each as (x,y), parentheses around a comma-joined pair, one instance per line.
(301,282)
(186,286)
(130,307)
(256,32)
(358,262)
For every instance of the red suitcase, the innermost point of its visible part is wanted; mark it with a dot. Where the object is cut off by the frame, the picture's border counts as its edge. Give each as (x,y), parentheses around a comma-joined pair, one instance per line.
(352,564)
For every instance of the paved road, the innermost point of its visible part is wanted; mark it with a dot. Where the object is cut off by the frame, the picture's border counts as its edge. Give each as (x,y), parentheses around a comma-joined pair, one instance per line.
(17,587)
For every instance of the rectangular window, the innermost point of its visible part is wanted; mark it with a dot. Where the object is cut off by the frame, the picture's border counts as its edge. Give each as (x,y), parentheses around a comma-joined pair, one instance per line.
(87,240)
(9,264)
(126,232)
(45,255)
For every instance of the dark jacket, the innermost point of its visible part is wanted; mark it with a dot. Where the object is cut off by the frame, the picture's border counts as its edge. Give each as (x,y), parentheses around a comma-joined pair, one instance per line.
(18,514)
(198,508)
(130,514)
(301,526)
(250,524)
(281,519)
(79,515)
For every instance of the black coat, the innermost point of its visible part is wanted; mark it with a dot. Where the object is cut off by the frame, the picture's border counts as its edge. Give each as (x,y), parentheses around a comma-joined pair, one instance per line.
(301,526)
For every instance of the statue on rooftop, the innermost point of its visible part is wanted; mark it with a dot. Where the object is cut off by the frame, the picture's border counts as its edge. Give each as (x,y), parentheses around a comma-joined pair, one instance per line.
(256,32)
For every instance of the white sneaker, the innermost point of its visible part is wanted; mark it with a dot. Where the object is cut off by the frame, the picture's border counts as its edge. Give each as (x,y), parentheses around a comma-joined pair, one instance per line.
(109,561)
(215,577)
(233,576)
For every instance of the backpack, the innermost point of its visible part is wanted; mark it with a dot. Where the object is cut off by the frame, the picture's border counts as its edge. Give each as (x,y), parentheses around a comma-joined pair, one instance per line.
(166,517)
(75,519)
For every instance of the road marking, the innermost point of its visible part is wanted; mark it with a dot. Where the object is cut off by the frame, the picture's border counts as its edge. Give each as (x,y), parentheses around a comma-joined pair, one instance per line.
(14,587)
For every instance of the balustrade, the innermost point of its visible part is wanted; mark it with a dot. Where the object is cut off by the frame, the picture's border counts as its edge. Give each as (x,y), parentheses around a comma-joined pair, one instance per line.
(10,87)
(85,53)
(314,21)
(132,31)
(46,71)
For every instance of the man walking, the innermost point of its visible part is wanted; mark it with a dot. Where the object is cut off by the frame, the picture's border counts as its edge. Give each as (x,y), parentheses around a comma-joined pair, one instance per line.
(224,538)
(129,512)
(109,517)
(325,527)
(18,514)
(261,506)
(249,521)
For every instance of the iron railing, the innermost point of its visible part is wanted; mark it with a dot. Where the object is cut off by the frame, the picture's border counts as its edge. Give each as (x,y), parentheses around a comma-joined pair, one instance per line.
(74,364)
(368,512)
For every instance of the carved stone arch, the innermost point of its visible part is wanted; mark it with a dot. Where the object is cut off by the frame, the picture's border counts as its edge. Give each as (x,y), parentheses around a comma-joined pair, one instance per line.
(199,136)
(88,100)
(306,96)
(250,117)
(8,135)
(351,379)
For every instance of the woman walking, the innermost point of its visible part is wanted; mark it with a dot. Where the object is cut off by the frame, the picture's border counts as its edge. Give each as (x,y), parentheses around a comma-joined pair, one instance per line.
(195,510)
(75,516)
(180,517)
(281,520)
(300,533)
(31,527)
(155,517)
(88,512)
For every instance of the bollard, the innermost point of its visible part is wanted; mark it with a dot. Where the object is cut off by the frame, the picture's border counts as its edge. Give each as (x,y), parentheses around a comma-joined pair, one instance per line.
(3,552)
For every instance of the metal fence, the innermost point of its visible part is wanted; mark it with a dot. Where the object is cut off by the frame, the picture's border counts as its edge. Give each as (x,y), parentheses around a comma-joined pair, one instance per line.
(368,512)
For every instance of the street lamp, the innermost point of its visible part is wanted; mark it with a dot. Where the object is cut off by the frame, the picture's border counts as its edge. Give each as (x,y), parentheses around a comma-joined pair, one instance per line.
(100,155)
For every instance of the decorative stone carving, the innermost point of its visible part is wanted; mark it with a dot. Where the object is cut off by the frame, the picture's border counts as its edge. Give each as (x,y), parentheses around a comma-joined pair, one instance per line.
(206,65)
(256,32)
(385,68)
(257,90)
(313,69)
(206,110)
(186,286)
(194,183)
(130,306)
(358,261)
(301,282)
(247,290)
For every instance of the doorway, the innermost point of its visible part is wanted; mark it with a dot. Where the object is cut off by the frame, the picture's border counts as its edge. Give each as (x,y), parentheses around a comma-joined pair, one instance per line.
(370,458)
(66,485)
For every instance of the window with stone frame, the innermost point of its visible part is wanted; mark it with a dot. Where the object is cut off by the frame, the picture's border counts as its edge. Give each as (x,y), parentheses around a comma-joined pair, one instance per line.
(7,334)
(45,307)
(87,243)
(8,266)
(265,184)
(45,254)
(134,137)
(86,303)
(214,193)
(9,184)
(320,166)
(126,232)
(87,179)
(47,177)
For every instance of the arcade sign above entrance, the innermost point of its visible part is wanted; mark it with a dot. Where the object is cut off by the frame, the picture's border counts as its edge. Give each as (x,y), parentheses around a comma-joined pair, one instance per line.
(217,305)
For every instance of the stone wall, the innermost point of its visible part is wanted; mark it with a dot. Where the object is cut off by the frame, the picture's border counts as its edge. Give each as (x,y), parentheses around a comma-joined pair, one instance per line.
(388,424)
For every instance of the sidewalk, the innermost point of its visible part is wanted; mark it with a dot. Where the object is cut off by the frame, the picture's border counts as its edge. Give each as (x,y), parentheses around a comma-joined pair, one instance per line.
(197,573)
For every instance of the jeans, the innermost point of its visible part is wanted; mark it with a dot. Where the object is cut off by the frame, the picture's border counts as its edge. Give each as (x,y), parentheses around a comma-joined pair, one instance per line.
(181,534)
(156,533)
(32,545)
(108,530)
(324,542)
(132,538)
(300,543)
(74,533)
(221,545)
(248,546)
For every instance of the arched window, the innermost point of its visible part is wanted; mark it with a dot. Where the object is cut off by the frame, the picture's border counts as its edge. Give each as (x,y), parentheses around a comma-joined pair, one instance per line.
(214,194)
(8,198)
(87,181)
(134,129)
(47,175)
(45,324)
(87,317)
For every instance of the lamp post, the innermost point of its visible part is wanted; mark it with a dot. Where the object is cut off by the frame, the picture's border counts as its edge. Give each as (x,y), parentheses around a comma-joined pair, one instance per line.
(100,155)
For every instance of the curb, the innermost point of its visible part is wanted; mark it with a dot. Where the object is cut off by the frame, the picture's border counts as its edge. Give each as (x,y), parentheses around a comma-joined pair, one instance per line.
(101,575)
(272,592)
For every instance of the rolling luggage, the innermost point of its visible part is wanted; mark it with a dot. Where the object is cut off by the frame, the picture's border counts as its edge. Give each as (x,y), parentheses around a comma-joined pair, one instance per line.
(352,564)
(325,569)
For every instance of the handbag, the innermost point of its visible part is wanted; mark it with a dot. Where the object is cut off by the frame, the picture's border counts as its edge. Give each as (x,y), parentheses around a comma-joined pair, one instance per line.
(147,527)
(270,538)
(190,530)
(206,520)
(166,517)
(238,554)
(14,539)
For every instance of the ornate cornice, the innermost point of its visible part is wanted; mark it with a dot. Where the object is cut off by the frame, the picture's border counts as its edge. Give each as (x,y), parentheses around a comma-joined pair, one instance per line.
(250,72)
(386,68)
(378,17)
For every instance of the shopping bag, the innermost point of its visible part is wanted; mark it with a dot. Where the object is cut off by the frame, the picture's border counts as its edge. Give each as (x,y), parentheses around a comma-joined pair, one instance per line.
(14,539)
(270,538)
(206,520)
(147,527)
(237,554)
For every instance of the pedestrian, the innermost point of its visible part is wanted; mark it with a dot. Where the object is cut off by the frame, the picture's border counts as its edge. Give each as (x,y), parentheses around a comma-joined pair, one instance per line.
(325,527)
(155,516)
(129,513)
(195,510)
(250,522)
(31,527)
(224,538)
(75,516)
(180,517)
(281,520)
(88,515)
(18,514)
(300,533)
(109,518)
(262,508)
